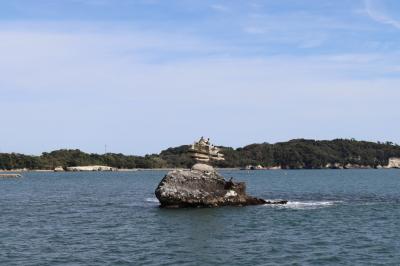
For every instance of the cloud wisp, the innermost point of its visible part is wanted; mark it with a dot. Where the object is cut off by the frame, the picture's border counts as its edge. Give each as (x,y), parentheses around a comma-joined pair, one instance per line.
(86,80)
(268,72)
(378,15)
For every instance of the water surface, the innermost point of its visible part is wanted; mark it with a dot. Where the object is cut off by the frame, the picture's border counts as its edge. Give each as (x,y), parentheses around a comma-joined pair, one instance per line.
(348,217)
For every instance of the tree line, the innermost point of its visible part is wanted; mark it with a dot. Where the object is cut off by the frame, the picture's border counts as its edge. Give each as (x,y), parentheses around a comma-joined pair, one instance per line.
(293,154)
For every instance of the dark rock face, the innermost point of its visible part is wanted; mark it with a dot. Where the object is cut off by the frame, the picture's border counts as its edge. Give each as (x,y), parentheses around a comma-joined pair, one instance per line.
(197,188)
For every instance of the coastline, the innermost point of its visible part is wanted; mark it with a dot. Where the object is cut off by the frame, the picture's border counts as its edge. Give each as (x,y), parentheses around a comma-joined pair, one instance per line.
(292,154)
(171,169)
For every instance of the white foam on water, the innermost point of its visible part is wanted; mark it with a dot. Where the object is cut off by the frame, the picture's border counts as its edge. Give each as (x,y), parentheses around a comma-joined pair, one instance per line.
(306,204)
(153,200)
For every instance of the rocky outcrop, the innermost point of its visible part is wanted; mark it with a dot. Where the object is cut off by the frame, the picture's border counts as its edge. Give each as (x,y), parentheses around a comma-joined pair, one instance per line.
(334,166)
(393,163)
(59,169)
(90,168)
(202,186)
(356,166)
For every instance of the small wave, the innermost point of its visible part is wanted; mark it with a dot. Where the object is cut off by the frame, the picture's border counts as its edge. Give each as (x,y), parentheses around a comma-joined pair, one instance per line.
(307,204)
(153,200)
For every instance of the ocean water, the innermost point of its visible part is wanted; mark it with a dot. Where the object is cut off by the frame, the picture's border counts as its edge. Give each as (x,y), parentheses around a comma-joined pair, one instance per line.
(334,217)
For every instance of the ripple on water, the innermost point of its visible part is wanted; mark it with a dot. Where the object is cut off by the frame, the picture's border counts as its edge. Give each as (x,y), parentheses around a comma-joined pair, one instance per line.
(304,205)
(152,200)
(333,217)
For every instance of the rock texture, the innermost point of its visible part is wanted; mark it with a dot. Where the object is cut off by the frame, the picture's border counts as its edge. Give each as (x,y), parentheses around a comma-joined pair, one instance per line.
(90,168)
(393,163)
(202,186)
(59,169)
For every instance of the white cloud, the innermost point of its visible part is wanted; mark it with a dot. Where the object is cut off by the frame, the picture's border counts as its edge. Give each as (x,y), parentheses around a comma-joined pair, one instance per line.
(378,15)
(108,87)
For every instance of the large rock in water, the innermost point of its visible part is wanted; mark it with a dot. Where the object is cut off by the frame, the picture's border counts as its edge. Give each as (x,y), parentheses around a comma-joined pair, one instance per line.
(202,186)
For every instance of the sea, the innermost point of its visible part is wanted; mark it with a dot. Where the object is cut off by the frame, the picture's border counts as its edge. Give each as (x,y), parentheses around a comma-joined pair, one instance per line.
(334,217)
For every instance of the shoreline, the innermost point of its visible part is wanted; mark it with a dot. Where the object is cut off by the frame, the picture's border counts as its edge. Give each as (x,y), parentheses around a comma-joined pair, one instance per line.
(171,169)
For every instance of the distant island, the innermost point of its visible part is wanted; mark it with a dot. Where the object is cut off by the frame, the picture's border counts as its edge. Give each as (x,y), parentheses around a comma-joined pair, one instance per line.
(293,154)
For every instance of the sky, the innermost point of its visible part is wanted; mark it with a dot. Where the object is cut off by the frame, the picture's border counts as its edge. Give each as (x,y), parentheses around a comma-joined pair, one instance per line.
(143,75)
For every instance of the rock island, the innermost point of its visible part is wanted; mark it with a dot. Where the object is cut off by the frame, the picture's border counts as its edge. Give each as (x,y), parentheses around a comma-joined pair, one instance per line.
(202,185)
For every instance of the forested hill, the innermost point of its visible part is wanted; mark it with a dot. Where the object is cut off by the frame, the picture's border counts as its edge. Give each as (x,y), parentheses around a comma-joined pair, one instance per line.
(294,154)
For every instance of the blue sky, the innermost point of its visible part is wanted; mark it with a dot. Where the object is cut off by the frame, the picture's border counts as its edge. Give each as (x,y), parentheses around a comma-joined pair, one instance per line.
(144,75)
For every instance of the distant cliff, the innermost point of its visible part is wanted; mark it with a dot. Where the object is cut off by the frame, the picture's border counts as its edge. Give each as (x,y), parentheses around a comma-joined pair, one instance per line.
(394,163)
(294,154)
